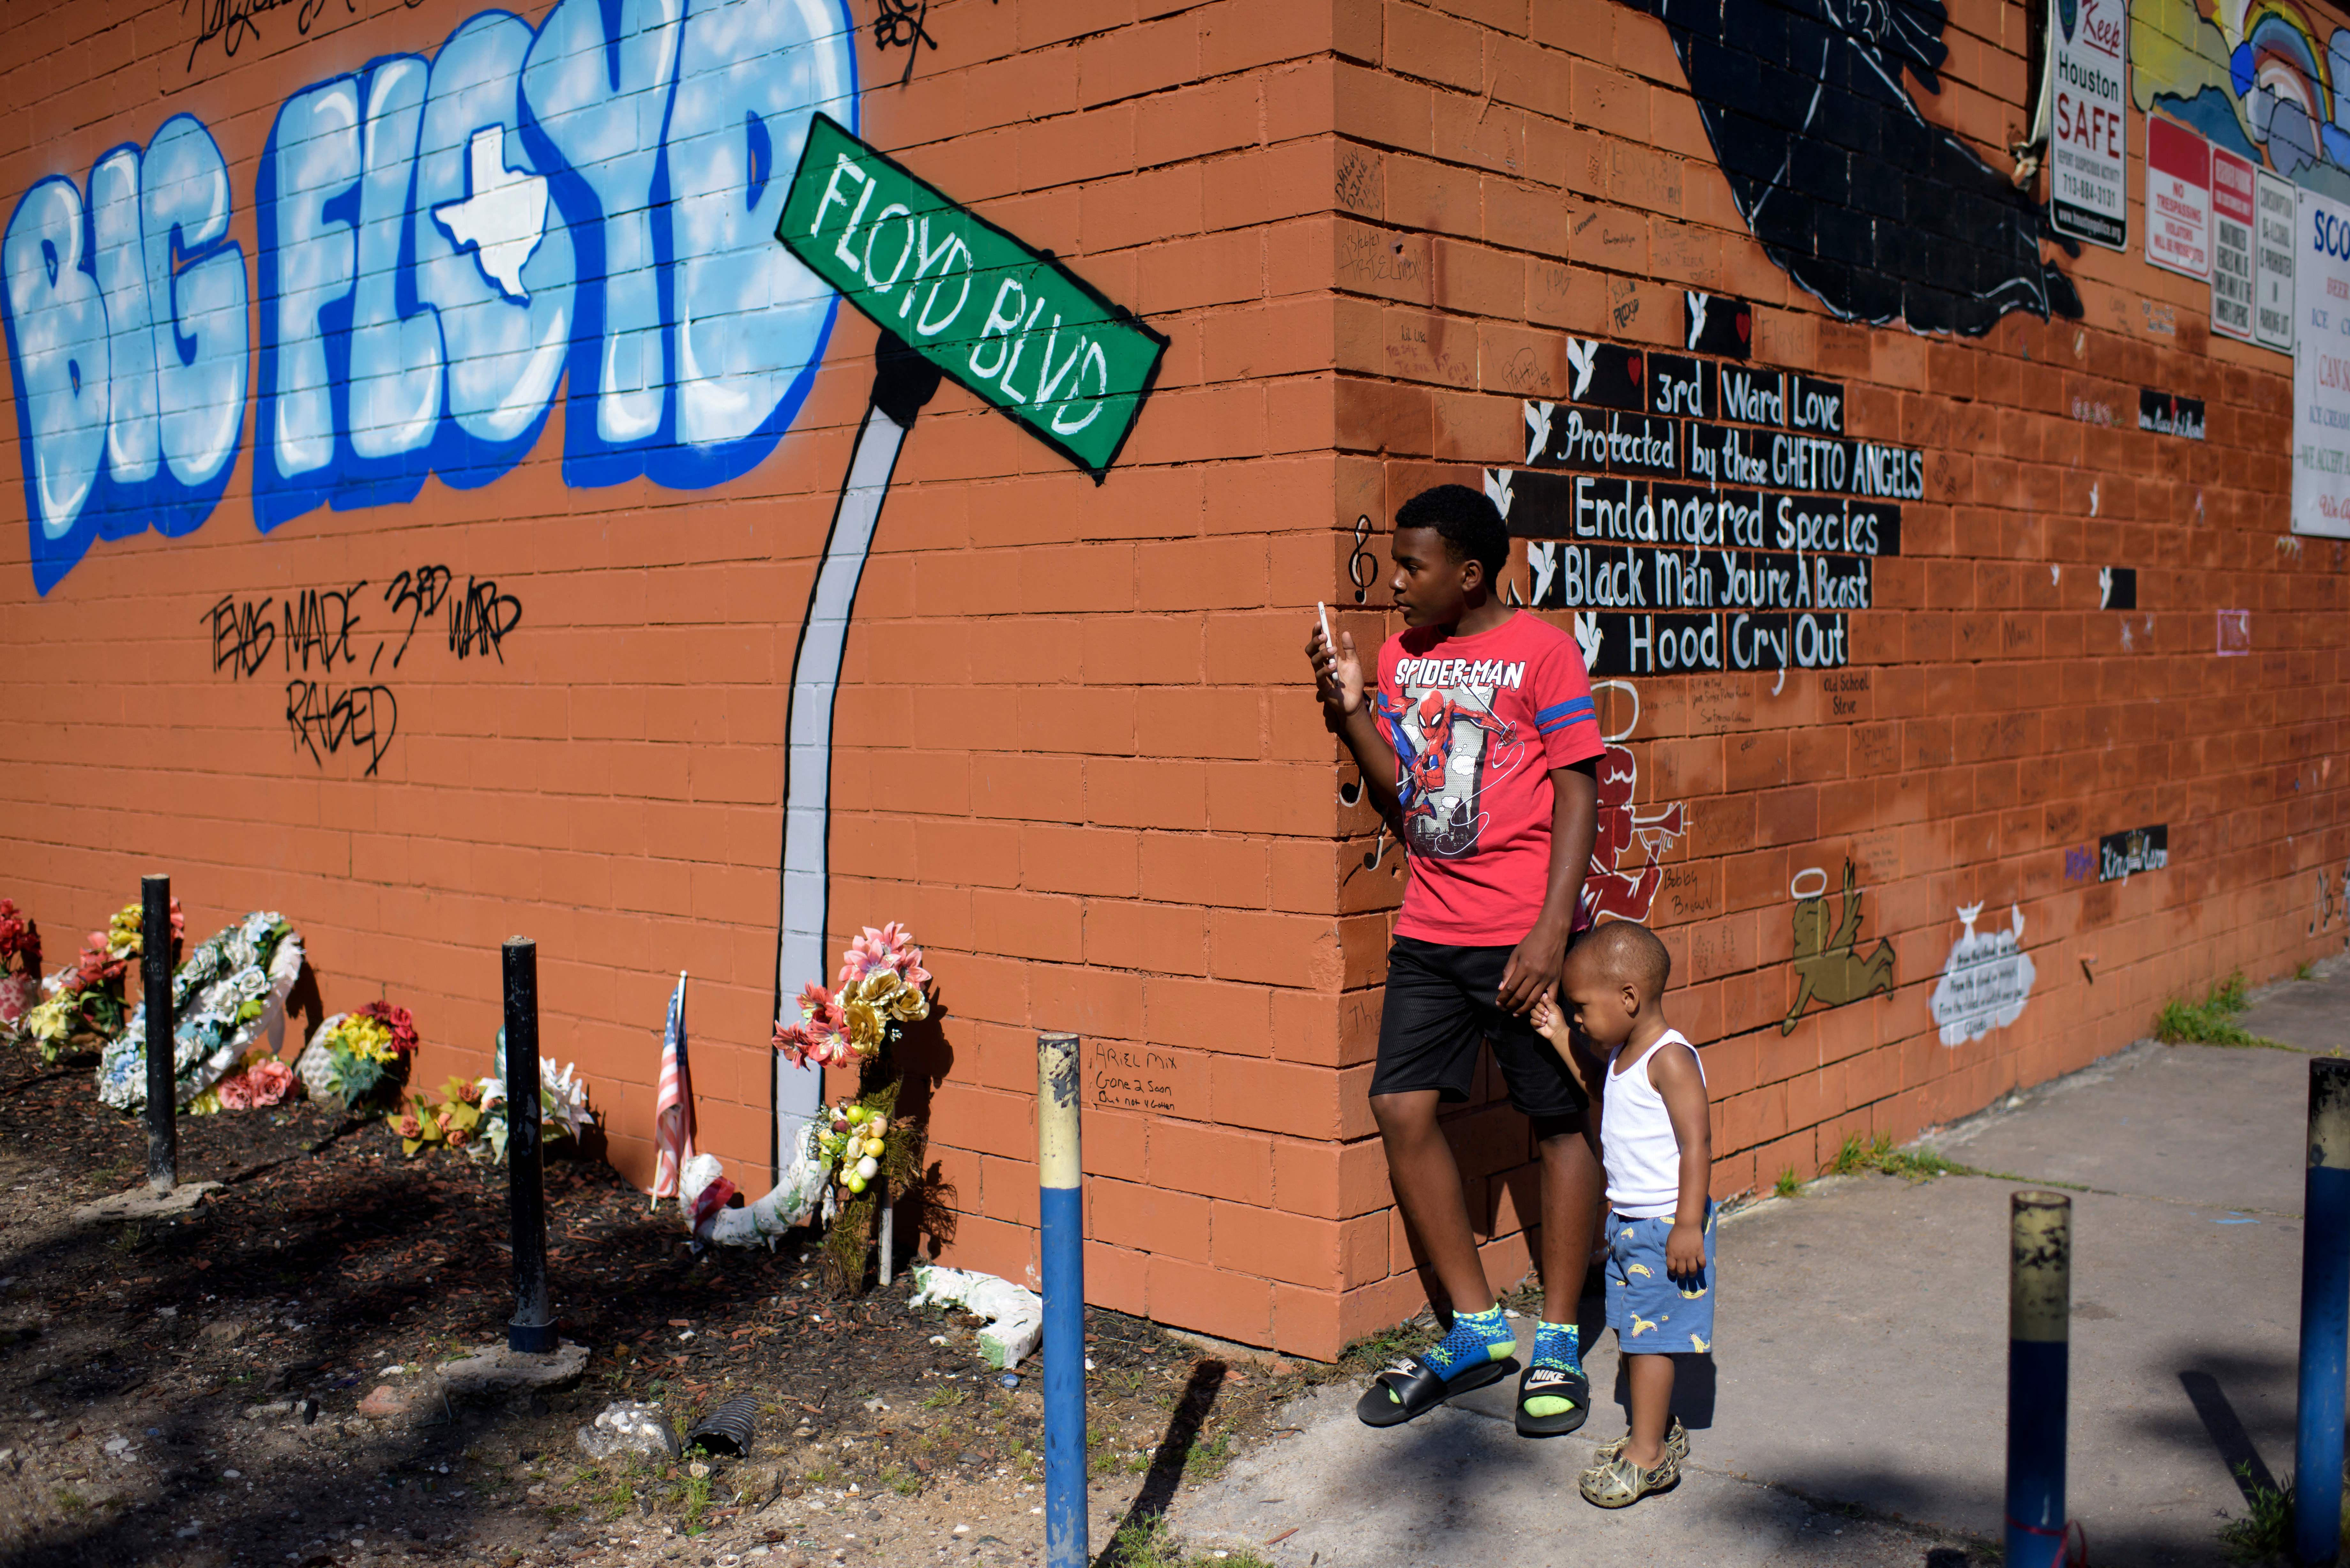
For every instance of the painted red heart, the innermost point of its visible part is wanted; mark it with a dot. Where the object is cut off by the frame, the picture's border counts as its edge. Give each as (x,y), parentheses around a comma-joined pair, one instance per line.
(1745,319)
(1632,368)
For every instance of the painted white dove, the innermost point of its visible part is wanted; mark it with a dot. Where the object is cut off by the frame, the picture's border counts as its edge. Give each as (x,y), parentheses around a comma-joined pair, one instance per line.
(505,216)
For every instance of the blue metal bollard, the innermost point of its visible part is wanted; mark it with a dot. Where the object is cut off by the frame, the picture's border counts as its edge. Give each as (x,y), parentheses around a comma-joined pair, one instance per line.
(1061,1205)
(2324,1315)
(2039,1334)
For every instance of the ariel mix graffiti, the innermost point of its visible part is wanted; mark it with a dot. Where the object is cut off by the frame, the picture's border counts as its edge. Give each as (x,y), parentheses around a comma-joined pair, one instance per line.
(441,241)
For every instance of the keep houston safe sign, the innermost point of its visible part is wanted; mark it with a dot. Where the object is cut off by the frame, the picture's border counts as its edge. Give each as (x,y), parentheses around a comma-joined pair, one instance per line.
(2088,128)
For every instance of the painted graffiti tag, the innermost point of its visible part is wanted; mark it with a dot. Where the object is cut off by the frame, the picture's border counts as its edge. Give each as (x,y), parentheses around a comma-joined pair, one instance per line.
(325,718)
(444,242)
(317,633)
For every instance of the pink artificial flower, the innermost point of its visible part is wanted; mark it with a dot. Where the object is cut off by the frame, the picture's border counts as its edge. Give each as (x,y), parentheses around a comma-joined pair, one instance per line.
(891,947)
(235,1093)
(18,992)
(270,1082)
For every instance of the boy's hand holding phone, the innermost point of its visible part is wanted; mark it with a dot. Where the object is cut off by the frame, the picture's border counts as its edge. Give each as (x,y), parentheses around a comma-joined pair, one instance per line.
(1338,669)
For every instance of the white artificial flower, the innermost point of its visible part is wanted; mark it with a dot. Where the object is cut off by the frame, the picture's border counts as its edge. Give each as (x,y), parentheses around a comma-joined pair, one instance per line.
(564,1094)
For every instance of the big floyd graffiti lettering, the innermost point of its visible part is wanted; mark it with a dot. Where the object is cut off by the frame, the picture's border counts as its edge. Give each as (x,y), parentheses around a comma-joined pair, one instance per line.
(439,242)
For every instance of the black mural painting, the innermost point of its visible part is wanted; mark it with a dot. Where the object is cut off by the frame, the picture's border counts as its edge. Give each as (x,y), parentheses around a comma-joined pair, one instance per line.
(1867,204)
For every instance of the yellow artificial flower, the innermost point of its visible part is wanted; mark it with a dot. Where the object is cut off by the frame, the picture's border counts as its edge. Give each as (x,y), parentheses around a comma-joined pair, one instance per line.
(864,1025)
(50,1021)
(365,1036)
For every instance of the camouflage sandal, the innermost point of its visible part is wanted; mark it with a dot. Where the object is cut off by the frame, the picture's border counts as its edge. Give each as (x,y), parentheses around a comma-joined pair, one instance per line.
(1676,1444)
(1617,1482)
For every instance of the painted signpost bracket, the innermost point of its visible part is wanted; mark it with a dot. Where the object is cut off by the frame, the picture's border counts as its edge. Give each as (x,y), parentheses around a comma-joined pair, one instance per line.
(1011,325)
(902,382)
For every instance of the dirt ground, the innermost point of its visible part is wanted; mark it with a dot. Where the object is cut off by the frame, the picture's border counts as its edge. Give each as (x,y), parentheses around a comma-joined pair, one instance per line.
(187,1392)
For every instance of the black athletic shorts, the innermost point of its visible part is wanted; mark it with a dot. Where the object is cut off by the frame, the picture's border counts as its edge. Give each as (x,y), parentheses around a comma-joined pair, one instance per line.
(1441,1005)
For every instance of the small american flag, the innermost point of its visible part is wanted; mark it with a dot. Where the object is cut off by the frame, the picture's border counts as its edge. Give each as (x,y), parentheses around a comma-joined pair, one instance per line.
(673,1108)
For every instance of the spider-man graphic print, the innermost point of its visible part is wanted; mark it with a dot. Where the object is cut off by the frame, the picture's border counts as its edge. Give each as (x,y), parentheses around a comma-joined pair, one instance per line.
(1477,724)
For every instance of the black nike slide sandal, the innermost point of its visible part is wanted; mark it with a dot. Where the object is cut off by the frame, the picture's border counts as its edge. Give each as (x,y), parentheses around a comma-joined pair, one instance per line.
(1412,1387)
(1553,1383)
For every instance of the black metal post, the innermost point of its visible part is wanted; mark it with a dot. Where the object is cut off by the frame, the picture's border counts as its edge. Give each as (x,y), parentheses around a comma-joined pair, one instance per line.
(533,1328)
(155,983)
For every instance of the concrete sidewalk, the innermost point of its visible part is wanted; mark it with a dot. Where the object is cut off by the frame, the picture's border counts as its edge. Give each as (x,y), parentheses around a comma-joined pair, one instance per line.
(1858,1411)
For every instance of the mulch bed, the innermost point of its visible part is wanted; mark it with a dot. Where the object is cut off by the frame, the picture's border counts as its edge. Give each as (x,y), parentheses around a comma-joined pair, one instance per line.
(328,1257)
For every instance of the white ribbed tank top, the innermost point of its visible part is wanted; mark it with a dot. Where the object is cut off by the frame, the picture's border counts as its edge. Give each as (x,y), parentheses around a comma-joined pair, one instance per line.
(1636,1137)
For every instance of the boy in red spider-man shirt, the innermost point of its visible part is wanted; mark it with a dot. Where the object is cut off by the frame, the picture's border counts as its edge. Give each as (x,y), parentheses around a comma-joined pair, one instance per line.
(1477,745)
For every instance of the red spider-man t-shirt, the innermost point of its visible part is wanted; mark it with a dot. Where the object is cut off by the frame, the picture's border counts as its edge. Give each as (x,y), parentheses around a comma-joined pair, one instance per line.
(1477,723)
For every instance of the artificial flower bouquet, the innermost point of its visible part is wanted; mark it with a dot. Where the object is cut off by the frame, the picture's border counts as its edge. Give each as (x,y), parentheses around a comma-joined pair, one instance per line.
(472,1113)
(360,1058)
(879,987)
(853,1143)
(259,1081)
(84,1005)
(228,1011)
(20,969)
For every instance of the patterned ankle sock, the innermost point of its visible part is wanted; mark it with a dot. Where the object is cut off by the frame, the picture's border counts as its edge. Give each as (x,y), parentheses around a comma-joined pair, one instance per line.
(1555,1349)
(1556,1345)
(1476,1338)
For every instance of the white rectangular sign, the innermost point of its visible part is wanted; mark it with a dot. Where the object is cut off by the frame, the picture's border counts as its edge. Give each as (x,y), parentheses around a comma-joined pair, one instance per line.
(2233,193)
(2273,268)
(2088,129)
(2321,368)
(2178,198)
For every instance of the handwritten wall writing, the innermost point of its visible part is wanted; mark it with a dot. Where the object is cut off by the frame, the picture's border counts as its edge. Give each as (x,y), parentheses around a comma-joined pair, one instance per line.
(320,634)
(1137,1078)
(901,24)
(235,23)
(1985,981)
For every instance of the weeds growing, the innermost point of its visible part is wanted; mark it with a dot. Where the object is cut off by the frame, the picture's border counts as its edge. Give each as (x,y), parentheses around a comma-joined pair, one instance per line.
(1880,1155)
(1788,1184)
(2212,1021)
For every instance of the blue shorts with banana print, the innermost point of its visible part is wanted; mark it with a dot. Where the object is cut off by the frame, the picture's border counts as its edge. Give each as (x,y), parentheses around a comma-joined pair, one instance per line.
(1653,1315)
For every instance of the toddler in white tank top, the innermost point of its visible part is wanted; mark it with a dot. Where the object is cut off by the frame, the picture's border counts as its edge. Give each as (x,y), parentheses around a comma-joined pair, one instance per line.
(1656,1142)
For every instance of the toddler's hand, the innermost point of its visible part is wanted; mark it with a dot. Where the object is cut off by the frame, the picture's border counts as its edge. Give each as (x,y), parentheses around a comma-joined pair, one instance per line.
(1546,1020)
(1685,1251)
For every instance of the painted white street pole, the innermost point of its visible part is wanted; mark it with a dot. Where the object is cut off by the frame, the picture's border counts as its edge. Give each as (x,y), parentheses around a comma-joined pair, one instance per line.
(902,382)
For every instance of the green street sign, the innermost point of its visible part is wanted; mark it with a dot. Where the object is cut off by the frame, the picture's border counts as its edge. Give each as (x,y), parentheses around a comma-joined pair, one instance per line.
(1012,324)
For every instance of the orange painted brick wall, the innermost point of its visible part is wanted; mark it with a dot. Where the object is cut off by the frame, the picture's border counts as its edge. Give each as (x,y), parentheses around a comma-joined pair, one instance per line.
(1073,748)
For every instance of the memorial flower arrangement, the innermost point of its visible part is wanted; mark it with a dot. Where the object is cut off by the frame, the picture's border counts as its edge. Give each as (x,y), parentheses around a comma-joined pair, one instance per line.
(857,1153)
(361,1058)
(228,1001)
(878,988)
(260,1080)
(854,1142)
(471,1113)
(20,969)
(85,1003)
